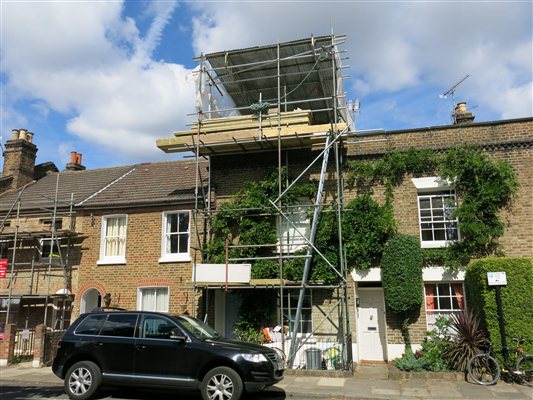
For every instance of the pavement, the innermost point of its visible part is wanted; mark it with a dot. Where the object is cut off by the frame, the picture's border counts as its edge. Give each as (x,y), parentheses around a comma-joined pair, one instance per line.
(368,383)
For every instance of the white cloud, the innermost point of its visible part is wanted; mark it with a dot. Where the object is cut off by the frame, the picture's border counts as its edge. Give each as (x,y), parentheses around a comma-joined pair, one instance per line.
(397,46)
(87,60)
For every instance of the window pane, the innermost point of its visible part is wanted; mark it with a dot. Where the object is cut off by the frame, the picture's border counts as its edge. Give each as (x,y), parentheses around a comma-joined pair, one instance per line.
(157,328)
(445,303)
(455,303)
(427,235)
(424,203)
(91,325)
(184,222)
(443,289)
(172,223)
(436,202)
(119,325)
(173,241)
(439,234)
(183,239)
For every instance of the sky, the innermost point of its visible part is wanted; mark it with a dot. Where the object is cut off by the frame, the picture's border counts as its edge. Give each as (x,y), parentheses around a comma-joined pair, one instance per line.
(108,78)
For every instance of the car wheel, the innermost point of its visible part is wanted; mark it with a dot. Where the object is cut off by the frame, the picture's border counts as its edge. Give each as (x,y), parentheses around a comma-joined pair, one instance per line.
(82,380)
(222,383)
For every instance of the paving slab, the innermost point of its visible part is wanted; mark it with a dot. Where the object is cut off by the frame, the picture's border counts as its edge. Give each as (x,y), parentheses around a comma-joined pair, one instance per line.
(331,382)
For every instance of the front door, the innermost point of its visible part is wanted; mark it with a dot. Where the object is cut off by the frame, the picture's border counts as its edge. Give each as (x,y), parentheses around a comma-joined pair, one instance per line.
(371,324)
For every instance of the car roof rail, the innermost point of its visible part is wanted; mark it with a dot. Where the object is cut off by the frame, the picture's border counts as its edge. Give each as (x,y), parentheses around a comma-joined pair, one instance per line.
(103,309)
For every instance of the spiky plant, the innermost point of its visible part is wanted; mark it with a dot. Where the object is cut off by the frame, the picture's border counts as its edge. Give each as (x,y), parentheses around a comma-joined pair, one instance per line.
(466,342)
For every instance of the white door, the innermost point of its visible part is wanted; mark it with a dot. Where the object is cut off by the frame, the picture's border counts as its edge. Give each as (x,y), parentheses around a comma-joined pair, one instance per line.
(371,324)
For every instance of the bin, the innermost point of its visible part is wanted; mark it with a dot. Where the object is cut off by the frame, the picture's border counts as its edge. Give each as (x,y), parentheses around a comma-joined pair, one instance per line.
(313,358)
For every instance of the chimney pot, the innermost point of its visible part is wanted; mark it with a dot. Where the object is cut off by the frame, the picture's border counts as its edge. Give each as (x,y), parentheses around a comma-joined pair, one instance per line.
(73,157)
(78,159)
(460,108)
(22,134)
(14,134)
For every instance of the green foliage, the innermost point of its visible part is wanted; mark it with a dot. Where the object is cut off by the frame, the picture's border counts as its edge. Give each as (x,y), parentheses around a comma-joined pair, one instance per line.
(366,228)
(435,345)
(401,275)
(484,188)
(411,363)
(466,342)
(517,298)
(391,169)
(254,315)
(248,219)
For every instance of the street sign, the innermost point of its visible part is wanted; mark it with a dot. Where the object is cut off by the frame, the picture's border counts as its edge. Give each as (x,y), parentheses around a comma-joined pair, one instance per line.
(3,268)
(497,278)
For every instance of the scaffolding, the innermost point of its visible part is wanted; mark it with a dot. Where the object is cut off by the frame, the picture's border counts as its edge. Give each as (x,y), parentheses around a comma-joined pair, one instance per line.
(274,98)
(45,248)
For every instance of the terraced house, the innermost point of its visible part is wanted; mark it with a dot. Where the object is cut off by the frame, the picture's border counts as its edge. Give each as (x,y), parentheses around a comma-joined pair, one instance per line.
(301,131)
(76,239)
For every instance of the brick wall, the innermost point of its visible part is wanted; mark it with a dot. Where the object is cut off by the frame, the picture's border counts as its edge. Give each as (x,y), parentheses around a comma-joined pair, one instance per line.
(142,268)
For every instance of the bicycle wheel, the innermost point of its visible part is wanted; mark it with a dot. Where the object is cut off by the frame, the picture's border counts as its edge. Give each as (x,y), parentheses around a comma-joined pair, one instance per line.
(483,369)
(524,367)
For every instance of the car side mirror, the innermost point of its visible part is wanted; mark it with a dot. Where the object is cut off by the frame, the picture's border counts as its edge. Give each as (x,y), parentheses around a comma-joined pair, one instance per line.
(176,334)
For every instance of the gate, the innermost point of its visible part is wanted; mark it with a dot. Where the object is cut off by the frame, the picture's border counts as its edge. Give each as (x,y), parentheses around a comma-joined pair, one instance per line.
(24,343)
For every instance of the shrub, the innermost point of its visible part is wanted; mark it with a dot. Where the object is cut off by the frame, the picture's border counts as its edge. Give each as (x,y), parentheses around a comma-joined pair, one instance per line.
(435,345)
(410,362)
(467,340)
(517,297)
(401,274)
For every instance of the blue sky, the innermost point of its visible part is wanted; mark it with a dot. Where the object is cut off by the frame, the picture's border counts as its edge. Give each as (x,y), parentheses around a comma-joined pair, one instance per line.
(106,79)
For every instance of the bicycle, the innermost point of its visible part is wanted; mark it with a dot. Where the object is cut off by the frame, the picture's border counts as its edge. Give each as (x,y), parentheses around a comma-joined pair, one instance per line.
(484,369)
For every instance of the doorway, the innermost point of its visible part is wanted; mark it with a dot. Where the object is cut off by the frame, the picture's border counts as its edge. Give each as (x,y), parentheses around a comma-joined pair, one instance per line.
(90,300)
(371,327)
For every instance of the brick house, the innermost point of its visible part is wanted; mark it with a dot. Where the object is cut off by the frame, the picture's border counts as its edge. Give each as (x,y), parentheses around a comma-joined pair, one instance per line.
(139,246)
(79,238)
(248,147)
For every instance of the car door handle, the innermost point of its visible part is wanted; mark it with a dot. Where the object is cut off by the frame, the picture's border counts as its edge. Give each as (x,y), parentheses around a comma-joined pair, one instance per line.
(98,344)
(140,347)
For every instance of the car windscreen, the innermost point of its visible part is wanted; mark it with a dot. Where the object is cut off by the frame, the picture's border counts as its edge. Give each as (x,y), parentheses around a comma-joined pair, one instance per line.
(197,327)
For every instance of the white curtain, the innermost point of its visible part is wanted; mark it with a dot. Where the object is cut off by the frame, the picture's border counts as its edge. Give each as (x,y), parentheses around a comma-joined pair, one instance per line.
(154,299)
(115,236)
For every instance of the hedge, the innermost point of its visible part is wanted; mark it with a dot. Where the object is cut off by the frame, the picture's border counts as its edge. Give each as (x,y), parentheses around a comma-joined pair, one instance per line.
(517,298)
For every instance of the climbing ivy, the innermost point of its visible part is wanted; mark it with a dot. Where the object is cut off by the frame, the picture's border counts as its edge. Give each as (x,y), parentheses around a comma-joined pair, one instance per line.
(401,274)
(484,187)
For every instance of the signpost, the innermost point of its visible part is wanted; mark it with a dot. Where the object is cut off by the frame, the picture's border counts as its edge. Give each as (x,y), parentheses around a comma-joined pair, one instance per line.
(499,279)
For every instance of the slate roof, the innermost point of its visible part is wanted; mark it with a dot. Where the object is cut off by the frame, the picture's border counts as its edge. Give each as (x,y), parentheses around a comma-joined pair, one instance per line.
(151,183)
(139,184)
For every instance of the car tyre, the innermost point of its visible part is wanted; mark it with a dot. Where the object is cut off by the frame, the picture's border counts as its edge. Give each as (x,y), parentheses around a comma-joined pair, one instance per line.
(82,380)
(222,383)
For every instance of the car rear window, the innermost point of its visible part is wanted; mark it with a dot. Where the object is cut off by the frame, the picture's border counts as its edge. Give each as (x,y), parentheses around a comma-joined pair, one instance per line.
(91,325)
(119,325)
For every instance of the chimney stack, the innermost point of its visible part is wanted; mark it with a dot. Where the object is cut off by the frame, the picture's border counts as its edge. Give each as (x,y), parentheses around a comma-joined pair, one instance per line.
(461,115)
(75,162)
(19,158)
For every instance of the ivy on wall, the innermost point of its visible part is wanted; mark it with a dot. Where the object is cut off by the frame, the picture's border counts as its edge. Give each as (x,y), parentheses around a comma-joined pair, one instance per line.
(484,187)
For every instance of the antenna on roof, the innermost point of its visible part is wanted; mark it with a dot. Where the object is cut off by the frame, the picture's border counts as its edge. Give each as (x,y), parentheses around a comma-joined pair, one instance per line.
(451,91)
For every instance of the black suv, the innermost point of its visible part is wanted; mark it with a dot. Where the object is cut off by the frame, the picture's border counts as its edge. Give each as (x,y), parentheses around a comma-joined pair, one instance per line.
(159,350)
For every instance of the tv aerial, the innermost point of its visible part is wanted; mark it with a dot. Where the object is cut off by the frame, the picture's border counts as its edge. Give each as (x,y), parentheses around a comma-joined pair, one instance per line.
(451,92)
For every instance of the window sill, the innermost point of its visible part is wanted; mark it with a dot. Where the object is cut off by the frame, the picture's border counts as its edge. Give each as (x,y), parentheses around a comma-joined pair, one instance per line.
(114,261)
(175,258)
(435,244)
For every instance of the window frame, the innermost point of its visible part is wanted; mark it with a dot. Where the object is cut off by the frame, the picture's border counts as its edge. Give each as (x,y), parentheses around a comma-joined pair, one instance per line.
(446,195)
(443,311)
(118,259)
(173,257)
(51,245)
(288,307)
(140,296)
(283,227)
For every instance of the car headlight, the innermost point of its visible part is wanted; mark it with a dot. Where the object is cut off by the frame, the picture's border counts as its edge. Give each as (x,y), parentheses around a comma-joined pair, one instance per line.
(256,358)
